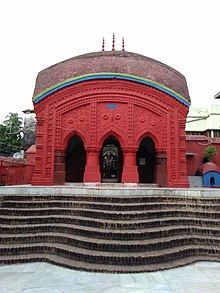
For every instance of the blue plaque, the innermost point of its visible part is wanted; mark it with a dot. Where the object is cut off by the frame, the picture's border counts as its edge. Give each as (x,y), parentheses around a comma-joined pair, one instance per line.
(111,106)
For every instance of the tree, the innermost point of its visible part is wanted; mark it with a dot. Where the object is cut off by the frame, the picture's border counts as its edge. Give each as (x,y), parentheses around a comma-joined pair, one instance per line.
(209,152)
(10,133)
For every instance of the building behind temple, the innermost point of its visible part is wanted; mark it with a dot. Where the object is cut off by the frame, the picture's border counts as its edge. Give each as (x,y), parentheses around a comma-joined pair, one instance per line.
(202,130)
(204,121)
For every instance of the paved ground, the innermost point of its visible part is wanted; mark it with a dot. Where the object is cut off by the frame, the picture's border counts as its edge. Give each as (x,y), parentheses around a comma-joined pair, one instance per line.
(45,278)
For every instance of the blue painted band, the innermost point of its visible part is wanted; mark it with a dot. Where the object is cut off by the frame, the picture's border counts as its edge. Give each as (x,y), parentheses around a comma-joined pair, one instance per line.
(111,76)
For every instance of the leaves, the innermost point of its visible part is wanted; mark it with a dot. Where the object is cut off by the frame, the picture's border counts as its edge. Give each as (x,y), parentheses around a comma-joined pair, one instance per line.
(209,152)
(10,133)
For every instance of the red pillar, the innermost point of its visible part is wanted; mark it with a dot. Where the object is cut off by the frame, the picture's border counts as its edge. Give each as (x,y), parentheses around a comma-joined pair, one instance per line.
(161,168)
(130,171)
(92,168)
(59,167)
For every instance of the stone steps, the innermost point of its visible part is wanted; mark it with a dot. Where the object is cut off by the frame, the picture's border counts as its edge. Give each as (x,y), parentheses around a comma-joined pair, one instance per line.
(108,223)
(110,257)
(102,197)
(107,233)
(111,214)
(98,232)
(109,206)
(87,266)
(105,245)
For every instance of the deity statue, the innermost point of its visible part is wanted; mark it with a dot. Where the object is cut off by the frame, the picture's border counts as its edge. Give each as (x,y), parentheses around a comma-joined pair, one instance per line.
(109,167)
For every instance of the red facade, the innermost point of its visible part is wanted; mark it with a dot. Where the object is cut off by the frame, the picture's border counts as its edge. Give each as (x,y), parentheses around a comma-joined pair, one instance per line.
(109,128)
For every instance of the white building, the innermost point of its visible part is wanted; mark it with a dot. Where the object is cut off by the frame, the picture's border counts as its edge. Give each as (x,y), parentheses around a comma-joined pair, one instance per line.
(204,121)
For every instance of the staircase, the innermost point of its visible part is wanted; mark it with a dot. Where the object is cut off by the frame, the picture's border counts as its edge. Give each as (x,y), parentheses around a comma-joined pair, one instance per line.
(116,234)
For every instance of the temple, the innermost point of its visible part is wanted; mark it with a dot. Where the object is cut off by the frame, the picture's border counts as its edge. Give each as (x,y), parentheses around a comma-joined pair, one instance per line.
(115,122)
(111,116)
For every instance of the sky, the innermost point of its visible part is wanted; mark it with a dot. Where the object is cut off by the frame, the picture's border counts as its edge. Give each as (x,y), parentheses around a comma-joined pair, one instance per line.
(36,34)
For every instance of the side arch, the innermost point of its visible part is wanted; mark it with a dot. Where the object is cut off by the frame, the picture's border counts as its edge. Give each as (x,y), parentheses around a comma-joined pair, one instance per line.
(146,159)
(70,135)
(151,136)
(75,160)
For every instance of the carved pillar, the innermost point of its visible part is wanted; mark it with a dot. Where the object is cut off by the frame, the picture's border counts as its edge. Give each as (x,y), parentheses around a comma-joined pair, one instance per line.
(40,177)
(183,178)
(161,168)
(92,168)
(130,171)
(59,167)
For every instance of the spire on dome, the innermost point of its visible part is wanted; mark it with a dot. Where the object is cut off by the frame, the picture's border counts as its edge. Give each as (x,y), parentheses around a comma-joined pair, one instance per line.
(103,44)
(123,44)
(113,42)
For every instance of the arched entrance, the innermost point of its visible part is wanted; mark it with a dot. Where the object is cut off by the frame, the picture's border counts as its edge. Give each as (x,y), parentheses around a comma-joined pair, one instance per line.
(111,160)
(75,160)
(146,155)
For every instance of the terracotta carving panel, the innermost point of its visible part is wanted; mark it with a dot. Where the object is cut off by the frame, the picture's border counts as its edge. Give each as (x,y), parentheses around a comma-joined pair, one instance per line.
(146,121)
(112,116)
(76,120)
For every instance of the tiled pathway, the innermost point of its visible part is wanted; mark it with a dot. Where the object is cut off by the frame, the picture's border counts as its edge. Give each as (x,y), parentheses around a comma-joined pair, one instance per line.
(45,278)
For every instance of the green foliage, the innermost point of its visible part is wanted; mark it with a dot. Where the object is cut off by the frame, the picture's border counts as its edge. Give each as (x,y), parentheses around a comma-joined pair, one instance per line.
(10,133)
(209,152)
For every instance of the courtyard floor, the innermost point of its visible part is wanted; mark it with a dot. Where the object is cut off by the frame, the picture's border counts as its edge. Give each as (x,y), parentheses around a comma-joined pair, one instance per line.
(45,278)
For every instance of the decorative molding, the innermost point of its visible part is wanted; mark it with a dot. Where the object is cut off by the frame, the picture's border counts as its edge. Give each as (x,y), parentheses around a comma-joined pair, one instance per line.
(109,75)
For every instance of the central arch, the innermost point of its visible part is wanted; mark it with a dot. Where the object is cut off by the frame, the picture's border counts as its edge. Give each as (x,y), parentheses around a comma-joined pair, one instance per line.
(111,160)
(146,156)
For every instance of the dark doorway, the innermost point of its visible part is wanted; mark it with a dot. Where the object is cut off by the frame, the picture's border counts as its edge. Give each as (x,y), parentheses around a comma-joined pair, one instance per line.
(111,160)
(146,155)
(75,160)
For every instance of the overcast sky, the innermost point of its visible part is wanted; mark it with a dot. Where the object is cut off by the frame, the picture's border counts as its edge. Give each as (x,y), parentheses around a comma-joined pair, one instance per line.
(36,34)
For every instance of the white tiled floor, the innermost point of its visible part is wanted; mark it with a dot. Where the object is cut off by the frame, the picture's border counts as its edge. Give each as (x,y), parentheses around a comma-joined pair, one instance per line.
(45,278)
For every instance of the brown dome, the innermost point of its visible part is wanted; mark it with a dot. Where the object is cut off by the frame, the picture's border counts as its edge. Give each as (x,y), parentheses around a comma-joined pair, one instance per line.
(112,62)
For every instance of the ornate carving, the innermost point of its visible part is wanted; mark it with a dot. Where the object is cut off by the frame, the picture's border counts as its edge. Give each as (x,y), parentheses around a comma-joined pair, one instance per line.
(130,140)
(146,121)
(70,120)
(117,116)
(93,123)
(112,118)
(76,120)
(58,130)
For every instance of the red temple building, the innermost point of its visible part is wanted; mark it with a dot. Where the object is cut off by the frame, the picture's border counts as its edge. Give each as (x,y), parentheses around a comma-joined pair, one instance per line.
(111,116)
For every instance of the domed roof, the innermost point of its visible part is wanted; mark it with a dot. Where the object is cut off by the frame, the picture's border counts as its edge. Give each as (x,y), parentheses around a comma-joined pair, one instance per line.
(208,167)
(112,62)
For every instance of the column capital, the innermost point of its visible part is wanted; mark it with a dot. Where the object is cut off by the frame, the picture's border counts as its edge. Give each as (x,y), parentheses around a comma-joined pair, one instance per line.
(130,150)
(91,149)
(161,152)
(59,150)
